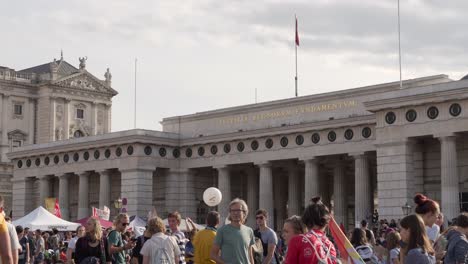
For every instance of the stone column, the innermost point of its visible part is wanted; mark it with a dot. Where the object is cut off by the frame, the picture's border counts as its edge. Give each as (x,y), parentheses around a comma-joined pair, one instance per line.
(362,189)
(137,187)
(52,118)
(31,106)
(64,196)
(293,190)
(104,189)
(180,192)
(66,119)
(311,180)
(94,107)
(395,177)
(5,118)
(83,194)
(44,189)
(266,189)
(224,185)
(339,193)
(20,194)
(252,189)
(449,177)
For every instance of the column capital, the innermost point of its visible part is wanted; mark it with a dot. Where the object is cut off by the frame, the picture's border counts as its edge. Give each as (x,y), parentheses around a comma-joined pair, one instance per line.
(446,137)
(82,173)
(357,155)
(63,176)
(264,164)
(43,177)
(5,95)
(307,158)
(101,172)
(138,169)
(220,167)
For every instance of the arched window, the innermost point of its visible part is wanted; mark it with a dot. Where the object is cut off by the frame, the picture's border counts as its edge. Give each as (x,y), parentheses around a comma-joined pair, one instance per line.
(78,134)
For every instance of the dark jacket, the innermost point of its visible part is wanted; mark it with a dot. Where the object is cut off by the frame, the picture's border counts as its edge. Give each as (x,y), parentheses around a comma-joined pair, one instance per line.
(457,248)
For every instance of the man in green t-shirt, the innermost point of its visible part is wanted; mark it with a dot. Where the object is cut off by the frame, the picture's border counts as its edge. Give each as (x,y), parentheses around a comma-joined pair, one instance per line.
(234,240)
(116,246)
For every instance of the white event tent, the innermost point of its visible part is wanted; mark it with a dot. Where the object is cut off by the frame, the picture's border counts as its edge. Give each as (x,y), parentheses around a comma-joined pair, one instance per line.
(42,219)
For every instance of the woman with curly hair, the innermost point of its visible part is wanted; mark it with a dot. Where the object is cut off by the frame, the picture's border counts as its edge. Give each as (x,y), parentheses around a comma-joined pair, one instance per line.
(160,248)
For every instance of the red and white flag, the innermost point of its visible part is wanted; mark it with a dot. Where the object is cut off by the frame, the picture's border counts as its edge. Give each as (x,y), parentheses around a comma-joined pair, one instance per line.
(297,34)
(57,211)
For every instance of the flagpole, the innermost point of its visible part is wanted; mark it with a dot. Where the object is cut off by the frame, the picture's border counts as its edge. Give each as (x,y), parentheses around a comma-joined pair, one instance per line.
(399,45)
(295,45)
(135,110)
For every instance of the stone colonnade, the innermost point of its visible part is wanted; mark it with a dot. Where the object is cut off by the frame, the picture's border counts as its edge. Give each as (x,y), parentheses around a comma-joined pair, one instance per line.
(309,183)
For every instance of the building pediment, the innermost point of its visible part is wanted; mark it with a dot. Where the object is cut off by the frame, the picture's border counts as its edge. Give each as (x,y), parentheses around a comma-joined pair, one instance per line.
(85,81)
(17,134)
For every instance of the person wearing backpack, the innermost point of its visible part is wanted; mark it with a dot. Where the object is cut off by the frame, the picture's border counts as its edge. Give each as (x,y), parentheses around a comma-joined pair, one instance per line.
(160,248)
(267,236)
(313,247)
(363,248)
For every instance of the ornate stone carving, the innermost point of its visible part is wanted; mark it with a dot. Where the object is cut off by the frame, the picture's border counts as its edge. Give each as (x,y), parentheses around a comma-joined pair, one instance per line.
(82,62)
(59,112)
(59,133)
(100,117)
(108,77)
(79,124)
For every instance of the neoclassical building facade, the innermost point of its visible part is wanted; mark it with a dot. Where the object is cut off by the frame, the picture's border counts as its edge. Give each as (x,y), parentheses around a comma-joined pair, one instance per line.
(47,103)
(360,149)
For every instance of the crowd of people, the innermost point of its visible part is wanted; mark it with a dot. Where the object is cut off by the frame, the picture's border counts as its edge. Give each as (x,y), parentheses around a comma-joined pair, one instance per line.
(418,238)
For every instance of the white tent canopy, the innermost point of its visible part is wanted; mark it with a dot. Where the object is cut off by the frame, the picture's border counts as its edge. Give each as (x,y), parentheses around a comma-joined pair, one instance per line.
(42,219)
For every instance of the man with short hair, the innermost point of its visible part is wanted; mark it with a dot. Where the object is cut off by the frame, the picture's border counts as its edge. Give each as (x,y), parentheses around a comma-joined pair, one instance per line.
(5,243)
(369,234)
(204,239)
(267,235)
(117,247)
(174,220)
(24,256)
(234,240)
(40,248)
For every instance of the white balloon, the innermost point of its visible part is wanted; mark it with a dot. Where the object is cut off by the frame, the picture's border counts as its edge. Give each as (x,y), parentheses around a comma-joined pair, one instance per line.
(212,196)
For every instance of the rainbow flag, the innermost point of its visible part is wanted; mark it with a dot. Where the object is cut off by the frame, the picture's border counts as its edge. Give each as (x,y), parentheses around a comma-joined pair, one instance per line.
(347,251)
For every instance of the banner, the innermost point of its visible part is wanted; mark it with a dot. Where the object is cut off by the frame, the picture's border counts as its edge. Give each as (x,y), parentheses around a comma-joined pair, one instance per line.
(102,213)
(52,205)
(347,251)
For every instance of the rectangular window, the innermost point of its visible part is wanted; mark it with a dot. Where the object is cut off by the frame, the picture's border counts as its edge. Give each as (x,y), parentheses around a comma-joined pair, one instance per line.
(16,143)
(463,202)
(79,113)
(18,109)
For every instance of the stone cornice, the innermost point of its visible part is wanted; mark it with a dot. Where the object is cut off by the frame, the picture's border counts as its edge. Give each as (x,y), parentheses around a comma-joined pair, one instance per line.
(456,90)
(111,139)
(319,125)
(330,96)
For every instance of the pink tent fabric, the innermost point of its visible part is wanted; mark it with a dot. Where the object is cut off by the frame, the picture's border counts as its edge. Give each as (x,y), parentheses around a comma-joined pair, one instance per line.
(104,223)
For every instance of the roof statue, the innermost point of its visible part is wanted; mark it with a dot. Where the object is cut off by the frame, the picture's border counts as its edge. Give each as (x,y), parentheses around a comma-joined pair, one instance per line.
(108,76)
(82,62)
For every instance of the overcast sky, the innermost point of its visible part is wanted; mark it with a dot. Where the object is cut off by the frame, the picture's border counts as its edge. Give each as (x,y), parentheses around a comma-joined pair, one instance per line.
(198,55)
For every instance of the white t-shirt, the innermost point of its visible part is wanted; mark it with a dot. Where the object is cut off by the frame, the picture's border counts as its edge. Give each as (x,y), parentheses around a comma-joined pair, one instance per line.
(160,240)
(433,232)
(15,245)
(72,243)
